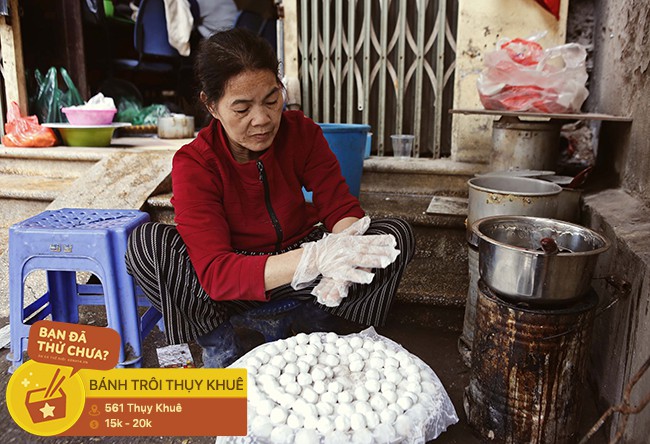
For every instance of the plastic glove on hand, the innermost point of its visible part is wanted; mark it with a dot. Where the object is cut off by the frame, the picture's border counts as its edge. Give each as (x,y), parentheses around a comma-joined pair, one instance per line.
(340,256)
(330,292)
(358,228)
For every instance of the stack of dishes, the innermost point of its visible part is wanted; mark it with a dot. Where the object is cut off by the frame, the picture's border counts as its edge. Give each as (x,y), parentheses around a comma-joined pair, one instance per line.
(87,127)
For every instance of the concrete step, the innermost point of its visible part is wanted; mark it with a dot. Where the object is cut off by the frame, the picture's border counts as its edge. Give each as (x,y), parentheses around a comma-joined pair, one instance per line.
(437,275)
(31,178)
(441,177)
(22,196)
(48,162)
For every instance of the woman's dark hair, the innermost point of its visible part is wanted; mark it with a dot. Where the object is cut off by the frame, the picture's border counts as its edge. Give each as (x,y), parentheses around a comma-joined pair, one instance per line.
(226,54)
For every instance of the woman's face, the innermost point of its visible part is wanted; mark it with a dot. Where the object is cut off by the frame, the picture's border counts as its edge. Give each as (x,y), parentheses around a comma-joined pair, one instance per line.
(250,112)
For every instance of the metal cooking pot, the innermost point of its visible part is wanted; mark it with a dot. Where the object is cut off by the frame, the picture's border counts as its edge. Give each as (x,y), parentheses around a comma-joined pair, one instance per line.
(513,264)
(506,195)
(176,126)
(532,145)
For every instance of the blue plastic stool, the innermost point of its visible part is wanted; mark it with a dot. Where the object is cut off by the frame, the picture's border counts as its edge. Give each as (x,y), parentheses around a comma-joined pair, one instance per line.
(65,241)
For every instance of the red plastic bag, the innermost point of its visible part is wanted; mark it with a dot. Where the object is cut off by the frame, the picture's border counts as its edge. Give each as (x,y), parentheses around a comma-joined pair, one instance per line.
(521,76)
(524,52)
(26,131)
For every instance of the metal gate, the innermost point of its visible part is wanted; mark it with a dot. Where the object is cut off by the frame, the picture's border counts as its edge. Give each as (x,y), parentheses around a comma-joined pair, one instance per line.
(386,63)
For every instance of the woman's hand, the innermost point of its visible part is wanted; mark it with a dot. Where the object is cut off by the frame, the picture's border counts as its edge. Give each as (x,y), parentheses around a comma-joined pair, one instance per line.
(342,257)
(328,291)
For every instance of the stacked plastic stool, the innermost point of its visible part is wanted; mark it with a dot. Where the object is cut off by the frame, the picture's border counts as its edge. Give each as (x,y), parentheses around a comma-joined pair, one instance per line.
(63,242)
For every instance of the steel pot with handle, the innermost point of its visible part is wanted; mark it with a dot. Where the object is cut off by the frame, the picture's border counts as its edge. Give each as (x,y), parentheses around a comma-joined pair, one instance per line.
(507,195)
(516,263)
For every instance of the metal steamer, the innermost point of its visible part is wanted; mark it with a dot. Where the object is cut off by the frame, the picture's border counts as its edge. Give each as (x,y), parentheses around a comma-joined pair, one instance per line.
(527,144)
(533,320)
(499,195)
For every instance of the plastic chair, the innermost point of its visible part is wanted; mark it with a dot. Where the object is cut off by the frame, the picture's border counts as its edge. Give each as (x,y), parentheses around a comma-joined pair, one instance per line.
(157,65)
(65,241)
(150,38)
(266,28)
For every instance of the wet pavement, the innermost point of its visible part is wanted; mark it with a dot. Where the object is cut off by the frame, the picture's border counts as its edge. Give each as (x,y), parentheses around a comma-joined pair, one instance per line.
(435,346)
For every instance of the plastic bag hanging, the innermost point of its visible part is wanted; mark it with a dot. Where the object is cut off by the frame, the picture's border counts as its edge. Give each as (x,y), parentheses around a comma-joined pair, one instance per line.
(50,98)
(522,76)
(26,131)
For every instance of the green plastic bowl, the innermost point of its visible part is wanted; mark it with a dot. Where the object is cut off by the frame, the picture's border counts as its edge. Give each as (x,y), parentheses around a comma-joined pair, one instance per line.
(87,136)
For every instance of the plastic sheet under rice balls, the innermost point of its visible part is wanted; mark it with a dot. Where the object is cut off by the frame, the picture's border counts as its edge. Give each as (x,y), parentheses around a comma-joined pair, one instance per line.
(328,389)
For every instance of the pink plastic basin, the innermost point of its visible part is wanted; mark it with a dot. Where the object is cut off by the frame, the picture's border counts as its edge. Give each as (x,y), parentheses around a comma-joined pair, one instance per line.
(80,116)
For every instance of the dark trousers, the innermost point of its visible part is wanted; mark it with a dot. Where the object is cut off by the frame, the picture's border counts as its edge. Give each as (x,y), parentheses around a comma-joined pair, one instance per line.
(158,260)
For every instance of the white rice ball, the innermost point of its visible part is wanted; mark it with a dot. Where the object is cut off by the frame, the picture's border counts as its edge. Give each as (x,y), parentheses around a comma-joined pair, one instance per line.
(324,408)
(304,379)
(357,365)
(295,421)
(319,387)
(264,407)
(372,385)
(330,397)
(331,337)
(278,415)
(282,434)
(307,436)
(361,393)
(372,420)
(289,356)
(355,342)
(387,416)
(344,397)
(403,425)
(334,387)
(357,421)
(342,423)
(309,395)
(261,427)
(325,425)
(363,436)
(291,368)
(302,338)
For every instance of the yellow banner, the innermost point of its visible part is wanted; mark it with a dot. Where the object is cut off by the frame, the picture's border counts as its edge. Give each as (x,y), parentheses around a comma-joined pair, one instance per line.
(46,400)
(165,382)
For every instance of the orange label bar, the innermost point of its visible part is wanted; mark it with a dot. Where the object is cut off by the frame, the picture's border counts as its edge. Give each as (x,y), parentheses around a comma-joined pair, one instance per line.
(161,417)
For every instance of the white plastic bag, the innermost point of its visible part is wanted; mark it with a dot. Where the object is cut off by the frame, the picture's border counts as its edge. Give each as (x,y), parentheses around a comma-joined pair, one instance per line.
(429,415)
(522,76)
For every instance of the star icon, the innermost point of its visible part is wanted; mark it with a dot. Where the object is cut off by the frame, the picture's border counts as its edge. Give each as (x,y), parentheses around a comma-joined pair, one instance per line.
(47,410)
(25,382)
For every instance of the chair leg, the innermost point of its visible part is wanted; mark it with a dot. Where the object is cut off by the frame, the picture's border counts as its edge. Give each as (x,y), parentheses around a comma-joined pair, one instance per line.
(130,323)
(62,287)
(18,330)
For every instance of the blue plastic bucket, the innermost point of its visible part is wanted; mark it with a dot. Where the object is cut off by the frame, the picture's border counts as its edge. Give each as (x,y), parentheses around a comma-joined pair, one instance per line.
(348,142)
(368,146)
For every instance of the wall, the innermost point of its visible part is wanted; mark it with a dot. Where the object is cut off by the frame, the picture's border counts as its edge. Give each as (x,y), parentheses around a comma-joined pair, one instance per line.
(620,86)
(480,25)
(621,61)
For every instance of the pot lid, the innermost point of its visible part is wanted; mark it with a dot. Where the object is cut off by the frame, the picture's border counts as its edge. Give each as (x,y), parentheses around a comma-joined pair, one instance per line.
(560,180)
(515,172)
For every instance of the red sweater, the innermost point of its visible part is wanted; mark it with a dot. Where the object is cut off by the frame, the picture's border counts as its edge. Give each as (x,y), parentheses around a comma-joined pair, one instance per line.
(222,205)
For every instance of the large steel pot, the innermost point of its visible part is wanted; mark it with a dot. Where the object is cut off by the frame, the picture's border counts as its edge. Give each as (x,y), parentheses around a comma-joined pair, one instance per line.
(507,195)
(526,144)
(513,264)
